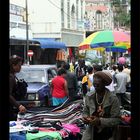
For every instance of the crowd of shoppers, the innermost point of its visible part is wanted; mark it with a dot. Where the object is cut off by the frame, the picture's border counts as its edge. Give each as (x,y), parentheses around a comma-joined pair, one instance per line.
(103,90)
(85,74)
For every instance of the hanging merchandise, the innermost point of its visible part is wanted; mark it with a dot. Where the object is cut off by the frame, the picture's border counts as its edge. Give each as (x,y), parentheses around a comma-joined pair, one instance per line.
(61,55)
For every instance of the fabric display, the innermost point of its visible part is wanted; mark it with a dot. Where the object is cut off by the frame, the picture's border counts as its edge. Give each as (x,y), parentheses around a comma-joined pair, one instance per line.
(18,136)
(59,123)
(43,136)
(52,131)
(63,113)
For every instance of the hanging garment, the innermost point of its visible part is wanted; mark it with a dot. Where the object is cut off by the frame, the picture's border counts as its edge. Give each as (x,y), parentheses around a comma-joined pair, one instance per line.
(61,55)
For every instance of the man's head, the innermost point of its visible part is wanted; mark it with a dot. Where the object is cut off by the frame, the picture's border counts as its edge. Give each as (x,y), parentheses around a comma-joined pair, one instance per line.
(90,69)
(62,72)
(125,65)
(67,66)
(120,67)
(15,63)
(81,62)
(102,79)
(97,68)
(114,67)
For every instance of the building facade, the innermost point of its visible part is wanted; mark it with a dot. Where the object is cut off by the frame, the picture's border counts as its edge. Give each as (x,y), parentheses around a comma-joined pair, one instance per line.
(18,34)
(62,20)
(98,15)
(17,20)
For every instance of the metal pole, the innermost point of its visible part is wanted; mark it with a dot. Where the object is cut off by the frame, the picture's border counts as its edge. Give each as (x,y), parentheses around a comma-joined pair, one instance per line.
(27,35)
(110,57)
(24,53)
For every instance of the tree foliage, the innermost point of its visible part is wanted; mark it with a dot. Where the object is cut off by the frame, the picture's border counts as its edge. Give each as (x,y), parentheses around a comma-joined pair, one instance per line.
(121,16)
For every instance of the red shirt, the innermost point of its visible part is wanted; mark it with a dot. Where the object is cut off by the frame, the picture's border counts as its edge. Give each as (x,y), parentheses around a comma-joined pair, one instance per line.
(58,87)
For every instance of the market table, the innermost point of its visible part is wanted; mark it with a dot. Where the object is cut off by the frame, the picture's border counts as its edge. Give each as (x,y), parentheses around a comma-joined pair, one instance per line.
(123,132)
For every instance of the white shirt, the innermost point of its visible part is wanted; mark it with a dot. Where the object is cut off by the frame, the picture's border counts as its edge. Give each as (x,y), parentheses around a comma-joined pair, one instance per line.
(127,71)
(122,79)
(111,86)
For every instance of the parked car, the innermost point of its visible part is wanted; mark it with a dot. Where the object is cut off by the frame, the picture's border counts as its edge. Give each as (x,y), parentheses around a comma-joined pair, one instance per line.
(38,78)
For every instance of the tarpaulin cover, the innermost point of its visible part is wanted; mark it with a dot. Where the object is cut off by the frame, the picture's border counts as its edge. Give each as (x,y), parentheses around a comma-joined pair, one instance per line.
(50,43)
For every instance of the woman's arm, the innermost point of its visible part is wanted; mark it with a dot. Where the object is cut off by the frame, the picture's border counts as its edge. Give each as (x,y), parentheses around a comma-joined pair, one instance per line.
(66,88)
(14,102)
(51,88)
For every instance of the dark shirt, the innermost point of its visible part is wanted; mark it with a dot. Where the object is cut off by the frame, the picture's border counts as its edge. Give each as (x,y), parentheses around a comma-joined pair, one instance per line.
(80,72)
(12,83)
(72,83)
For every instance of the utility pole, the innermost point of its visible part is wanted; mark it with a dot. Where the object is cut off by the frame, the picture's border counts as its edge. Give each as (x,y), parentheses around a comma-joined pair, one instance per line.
(27,34)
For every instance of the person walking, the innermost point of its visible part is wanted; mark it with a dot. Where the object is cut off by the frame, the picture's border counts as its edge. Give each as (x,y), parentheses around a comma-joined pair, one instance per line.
(72,82)
(127,71)
(101,110)
(80,69)
(121,80)
(59,88)
(15,67)
(87,81)
(97,67)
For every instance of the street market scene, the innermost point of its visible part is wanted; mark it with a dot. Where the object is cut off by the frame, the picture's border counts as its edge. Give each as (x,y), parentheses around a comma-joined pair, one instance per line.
(70,70)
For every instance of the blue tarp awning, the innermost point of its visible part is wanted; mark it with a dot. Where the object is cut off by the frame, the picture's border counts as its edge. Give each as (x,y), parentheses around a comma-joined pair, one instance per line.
(50,43)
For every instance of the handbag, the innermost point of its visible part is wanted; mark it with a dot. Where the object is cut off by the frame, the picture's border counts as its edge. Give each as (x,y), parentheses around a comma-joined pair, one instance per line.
(21,89)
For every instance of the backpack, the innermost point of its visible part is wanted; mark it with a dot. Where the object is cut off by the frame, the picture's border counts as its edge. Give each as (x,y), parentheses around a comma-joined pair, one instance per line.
(21,89)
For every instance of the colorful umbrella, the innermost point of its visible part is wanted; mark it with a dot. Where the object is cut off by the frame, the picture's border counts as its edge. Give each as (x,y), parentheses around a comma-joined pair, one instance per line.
(117,49)
(106,39)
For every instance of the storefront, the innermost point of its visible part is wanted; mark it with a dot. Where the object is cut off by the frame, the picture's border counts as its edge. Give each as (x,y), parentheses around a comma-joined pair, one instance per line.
(72,38)
(19,47)
(52,51)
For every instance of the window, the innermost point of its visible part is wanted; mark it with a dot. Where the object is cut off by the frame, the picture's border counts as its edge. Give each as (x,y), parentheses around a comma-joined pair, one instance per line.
(14,9)
(81,10)
(68,13)
(13,24)
(77,9)
(62,13)
(22,26)
(73,16)
(32,75)
(98,19)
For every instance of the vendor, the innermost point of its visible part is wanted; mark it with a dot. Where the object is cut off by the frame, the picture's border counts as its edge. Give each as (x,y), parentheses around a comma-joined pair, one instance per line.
(15,66)
(101,109)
